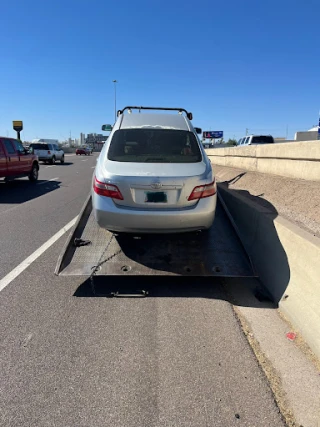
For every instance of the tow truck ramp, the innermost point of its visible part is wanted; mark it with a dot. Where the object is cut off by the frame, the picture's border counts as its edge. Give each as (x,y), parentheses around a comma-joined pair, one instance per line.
(92,251)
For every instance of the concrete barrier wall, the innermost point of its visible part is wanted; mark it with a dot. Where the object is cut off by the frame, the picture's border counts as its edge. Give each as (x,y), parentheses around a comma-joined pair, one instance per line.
(287,260)
(294,160)
(68,150)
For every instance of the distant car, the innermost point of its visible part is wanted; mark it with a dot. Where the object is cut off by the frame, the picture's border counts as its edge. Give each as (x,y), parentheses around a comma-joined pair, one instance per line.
(153,176)
(16,161)
(84,150)
(47,153)
(255,140)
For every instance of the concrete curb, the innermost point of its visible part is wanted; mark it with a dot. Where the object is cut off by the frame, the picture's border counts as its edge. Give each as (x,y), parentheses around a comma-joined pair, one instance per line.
(300,160)
(287,260)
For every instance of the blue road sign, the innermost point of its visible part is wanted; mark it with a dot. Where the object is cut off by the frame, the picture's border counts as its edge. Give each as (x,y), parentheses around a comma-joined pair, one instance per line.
(213,134)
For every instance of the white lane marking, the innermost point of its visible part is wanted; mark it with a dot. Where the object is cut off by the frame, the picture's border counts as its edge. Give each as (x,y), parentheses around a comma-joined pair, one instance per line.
(92,167)
(69,155)
(28,261)
(49,167)
(84,160)
(52,179)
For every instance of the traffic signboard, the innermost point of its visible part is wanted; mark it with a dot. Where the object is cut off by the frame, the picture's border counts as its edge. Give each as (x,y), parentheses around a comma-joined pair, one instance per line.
(213,134)
(106,128)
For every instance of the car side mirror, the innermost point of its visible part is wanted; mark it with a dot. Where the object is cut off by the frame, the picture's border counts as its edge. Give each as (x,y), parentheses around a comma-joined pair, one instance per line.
(198,130)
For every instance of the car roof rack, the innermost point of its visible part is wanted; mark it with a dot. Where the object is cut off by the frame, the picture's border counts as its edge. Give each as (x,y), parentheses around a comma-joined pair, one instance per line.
(180,110)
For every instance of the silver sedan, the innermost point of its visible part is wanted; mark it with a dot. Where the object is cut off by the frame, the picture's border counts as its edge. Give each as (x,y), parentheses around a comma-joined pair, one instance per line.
(153,176)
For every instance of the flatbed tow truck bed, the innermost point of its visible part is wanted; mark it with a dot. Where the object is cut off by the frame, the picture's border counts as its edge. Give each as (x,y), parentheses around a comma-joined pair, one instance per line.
(218,252)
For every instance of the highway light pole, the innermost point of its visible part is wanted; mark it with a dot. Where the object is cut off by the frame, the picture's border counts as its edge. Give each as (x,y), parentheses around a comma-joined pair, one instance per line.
(115,99)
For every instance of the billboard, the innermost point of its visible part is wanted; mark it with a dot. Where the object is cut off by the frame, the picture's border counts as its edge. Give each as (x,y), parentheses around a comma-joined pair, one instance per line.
(212,134)
(17,125)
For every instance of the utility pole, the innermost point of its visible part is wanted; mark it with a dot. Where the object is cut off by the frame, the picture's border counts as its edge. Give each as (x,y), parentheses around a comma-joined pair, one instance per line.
(287,132)
(247,131)
(115,99)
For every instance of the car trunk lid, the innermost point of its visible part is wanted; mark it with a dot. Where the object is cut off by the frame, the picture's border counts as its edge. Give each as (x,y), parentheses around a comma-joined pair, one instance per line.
(155,185)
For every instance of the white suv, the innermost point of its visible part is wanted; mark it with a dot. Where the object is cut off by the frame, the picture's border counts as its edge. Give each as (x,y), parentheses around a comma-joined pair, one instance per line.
(47,152)
(255,140)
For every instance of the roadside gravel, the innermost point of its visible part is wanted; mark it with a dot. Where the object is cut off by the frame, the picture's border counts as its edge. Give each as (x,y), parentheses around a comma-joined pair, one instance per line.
(294,199)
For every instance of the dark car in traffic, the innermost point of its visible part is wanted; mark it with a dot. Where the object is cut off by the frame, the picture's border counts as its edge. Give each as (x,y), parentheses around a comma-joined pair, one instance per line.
(83,150)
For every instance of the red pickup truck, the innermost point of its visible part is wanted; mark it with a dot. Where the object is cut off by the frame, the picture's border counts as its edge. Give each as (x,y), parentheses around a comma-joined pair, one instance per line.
(16,161)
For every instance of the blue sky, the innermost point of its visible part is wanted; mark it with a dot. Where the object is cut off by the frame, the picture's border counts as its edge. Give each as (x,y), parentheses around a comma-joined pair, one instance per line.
(234,64)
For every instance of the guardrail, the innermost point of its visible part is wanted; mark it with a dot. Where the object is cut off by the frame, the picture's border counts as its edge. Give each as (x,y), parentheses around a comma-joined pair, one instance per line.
(293,159)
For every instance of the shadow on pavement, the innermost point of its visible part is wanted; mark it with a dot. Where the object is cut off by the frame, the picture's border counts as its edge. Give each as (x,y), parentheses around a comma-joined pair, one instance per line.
(251,294)
(57,164)
(21,191)
(64,164)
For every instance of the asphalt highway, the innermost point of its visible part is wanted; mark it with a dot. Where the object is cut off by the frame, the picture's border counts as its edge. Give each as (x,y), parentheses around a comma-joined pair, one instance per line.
(71,360)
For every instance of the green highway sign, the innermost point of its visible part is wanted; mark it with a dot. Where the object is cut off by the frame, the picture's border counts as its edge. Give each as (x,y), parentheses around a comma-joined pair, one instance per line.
(107,128)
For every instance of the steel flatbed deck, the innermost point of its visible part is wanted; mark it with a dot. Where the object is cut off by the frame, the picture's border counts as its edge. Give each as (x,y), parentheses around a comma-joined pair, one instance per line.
(218,252)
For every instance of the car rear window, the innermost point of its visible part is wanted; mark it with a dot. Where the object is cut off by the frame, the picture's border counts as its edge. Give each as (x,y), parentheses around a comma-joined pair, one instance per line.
(262,139)
(154,146)
(39,146)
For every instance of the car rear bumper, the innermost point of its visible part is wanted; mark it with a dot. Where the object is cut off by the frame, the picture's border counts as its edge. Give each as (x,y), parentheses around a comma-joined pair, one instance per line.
(126,220)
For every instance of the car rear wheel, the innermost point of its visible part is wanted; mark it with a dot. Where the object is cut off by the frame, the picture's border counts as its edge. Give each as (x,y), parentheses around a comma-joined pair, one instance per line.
(53,160)
(62,160)
(33,176)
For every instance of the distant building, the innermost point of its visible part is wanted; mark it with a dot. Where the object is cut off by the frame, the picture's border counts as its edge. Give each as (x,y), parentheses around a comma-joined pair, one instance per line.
(93,138)
(310,135)
(82,140)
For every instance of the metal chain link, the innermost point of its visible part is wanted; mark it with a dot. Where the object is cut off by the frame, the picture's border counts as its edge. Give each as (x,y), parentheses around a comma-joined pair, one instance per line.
(96,267)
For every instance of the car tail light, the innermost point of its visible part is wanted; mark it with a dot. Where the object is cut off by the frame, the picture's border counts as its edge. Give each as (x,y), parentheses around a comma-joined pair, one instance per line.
(49,152)
(107,190)
(203,191)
